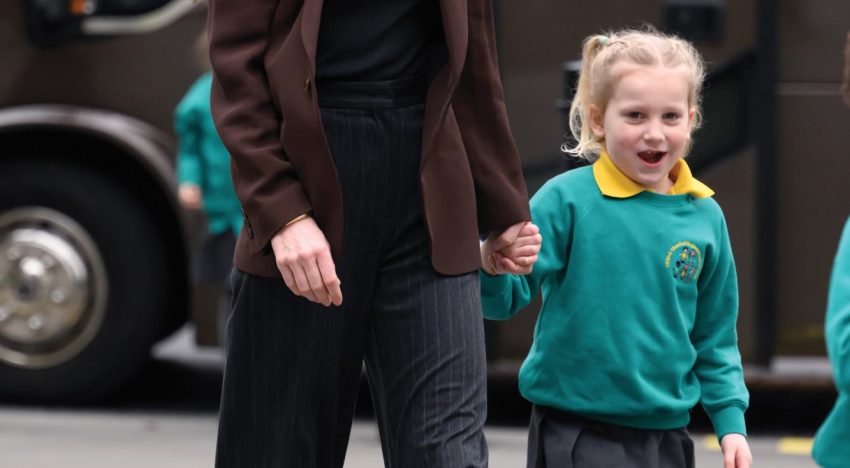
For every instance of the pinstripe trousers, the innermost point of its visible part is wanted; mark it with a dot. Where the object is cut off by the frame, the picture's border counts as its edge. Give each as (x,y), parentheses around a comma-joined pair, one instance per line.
(293,367)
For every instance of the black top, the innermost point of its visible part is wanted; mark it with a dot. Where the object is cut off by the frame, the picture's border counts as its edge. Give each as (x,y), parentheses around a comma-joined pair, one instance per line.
(377,40)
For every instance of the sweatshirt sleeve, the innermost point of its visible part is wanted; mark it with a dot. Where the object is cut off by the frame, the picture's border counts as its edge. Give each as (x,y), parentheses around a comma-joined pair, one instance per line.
(503,296)
(189,140)
(838,314)
(718,364)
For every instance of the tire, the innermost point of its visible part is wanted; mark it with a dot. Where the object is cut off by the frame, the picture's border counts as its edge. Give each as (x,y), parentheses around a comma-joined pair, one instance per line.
(83,274)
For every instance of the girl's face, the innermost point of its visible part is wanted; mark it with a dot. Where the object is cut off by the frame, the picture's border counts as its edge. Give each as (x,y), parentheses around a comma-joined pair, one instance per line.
(646,123)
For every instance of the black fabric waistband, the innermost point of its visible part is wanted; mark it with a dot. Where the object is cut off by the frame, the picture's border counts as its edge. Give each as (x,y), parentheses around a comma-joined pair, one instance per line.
(389,94)
(567,417)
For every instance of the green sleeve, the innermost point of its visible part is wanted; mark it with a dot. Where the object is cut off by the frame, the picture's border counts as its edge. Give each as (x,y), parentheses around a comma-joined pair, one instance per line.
(502,296)
(715,339)
(189,134)
(838,314)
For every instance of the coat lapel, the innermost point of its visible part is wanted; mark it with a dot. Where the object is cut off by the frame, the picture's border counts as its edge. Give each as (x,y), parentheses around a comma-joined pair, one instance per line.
(311,16)
(456,26)
(456,29)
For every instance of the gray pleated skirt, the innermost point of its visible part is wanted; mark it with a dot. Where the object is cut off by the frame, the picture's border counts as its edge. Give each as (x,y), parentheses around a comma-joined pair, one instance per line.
(557,439)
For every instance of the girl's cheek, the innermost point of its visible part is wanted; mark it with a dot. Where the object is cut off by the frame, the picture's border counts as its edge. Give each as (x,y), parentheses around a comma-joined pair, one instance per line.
(621,139)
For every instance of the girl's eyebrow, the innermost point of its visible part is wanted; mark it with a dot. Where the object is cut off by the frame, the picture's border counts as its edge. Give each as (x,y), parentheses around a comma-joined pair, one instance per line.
(644,105)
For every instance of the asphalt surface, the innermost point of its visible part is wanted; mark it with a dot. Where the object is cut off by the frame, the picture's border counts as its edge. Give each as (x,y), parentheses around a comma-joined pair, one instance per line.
(167,418)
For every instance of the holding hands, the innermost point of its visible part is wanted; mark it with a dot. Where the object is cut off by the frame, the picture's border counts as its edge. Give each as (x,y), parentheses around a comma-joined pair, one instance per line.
(304,259)
(512,251)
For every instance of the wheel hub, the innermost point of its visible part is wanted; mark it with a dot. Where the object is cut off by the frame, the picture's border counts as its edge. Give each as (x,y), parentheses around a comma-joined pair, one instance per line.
(52,288)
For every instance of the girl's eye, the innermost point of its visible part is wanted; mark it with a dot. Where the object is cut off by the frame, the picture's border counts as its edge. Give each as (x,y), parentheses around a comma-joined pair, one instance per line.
(634,115)
(671,116)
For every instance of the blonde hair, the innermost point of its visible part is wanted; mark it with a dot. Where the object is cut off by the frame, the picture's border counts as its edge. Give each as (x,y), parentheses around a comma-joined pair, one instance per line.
(600,54)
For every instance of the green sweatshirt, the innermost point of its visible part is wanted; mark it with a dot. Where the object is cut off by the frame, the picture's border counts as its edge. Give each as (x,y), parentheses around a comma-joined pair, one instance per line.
(203,160)
(832,442)
(639,306)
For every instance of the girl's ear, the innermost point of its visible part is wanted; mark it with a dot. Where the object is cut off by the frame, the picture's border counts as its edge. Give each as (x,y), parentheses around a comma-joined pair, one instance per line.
(597,121)
(691,115)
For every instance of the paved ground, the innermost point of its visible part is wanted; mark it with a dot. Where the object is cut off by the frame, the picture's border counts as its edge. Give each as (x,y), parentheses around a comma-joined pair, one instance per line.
(43,438)
(168,419)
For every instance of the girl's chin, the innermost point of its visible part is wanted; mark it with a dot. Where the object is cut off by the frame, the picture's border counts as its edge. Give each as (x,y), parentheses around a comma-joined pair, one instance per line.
(651,181)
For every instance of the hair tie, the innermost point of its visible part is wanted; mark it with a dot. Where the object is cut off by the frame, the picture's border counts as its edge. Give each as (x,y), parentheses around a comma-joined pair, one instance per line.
(603,39)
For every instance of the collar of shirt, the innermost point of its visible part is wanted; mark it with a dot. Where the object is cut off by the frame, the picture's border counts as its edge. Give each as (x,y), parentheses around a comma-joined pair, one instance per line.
(613,183)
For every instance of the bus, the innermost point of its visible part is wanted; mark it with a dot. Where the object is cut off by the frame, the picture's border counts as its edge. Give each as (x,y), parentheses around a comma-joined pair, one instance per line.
(93,243)
(94,247)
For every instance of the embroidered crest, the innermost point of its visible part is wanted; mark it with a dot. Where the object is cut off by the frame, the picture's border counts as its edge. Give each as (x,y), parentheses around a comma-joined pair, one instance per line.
(684,260)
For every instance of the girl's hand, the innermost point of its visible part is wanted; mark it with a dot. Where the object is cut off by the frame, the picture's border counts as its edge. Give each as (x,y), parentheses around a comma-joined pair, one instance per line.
(736,451)
(513,251)
(190,195)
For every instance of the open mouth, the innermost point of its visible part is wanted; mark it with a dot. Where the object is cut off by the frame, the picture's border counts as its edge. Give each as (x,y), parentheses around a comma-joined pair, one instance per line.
(651,157)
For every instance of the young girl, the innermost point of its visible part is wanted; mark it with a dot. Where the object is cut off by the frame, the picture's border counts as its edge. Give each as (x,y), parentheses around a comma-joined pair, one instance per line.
(639,287)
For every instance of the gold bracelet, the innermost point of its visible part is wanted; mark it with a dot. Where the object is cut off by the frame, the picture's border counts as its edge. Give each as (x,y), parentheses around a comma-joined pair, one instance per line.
(297,218)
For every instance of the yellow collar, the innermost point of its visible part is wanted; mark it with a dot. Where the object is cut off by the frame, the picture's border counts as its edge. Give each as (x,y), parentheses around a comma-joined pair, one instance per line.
(613,183)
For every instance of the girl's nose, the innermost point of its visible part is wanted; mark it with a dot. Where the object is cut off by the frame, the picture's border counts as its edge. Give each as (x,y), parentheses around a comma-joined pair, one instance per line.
(653,133)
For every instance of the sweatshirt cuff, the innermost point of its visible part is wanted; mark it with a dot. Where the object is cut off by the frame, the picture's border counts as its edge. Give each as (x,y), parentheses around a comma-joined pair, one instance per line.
(493,290)
(728,420)
(188,172)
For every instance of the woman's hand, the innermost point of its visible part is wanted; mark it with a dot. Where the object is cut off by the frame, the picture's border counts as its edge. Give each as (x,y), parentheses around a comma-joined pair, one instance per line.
(304,259)
(512,251)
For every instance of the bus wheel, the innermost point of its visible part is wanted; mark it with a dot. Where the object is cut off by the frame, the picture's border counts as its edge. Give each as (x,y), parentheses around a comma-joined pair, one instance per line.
(81,265)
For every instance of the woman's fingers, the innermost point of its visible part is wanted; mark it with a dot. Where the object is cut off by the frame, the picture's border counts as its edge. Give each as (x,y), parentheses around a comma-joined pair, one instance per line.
(330,281)
(314,279)
(302,284)
(305,262)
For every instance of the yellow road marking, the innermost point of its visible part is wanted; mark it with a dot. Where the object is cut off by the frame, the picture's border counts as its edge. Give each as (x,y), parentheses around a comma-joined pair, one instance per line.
(709,442)
(784,446)
(795,445)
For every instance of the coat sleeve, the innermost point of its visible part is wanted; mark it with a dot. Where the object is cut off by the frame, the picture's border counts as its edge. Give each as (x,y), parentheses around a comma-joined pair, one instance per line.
(247,119)
(479,107)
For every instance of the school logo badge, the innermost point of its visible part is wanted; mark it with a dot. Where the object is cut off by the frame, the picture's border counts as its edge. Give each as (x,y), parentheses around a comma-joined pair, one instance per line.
(684,259)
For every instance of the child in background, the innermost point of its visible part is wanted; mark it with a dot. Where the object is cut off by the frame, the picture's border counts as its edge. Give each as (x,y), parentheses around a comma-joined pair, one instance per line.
(203,172)
(640,298)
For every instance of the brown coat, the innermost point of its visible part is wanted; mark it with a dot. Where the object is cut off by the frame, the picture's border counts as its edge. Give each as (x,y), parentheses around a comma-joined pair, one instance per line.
(264,104)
